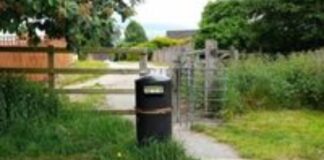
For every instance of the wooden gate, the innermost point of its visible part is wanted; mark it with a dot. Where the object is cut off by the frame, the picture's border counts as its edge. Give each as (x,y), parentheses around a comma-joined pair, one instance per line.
(51,70)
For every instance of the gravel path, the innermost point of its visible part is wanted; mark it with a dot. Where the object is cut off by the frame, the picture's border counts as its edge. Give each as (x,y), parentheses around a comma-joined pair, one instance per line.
(197,145)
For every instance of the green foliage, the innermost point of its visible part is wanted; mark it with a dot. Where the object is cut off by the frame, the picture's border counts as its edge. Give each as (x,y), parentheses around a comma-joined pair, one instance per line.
(288,25)
(271,26)
(135,33)
(155,44)
(25,103)
(284,134)
(148,45)
(81,22)
(161,42)
(226,22)
(258,82)
(132,57)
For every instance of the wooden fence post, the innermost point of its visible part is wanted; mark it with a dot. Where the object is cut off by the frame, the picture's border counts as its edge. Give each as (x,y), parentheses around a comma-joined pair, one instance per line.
(177,66)
(234,53)
(210,49)
(143,63)
(51,65)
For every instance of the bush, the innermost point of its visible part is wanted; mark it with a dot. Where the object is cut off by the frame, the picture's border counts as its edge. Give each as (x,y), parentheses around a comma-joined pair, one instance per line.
(133,57)
(25,102)
(151,46)
(274,83)
(161,42)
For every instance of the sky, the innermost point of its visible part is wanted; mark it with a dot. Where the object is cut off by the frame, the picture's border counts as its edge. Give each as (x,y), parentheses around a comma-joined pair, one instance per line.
(158,16)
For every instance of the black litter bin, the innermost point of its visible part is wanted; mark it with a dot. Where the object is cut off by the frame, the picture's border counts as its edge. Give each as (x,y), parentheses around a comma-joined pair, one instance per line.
(153,108)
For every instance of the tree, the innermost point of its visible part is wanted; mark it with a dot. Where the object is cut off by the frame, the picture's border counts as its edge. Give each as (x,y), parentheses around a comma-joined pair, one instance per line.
(271,26)
(135,33)
(80,22)
(227,22)
(288,25)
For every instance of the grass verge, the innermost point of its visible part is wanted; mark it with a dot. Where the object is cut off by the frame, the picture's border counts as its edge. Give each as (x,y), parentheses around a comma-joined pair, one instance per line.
(78,78)
(288,134)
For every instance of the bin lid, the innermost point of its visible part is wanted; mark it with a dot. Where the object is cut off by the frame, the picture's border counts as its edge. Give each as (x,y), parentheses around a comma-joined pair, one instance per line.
(153,77)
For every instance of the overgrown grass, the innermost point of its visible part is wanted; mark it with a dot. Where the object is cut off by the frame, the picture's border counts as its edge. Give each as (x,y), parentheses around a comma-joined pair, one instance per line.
(74,133)
(261,82)
(78,78)
(23,102)
(278,135)
(83,135)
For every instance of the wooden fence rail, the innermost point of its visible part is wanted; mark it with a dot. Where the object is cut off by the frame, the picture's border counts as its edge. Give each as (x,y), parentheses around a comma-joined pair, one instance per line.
(68,71)
(51,71)
(95,91)
(27,50)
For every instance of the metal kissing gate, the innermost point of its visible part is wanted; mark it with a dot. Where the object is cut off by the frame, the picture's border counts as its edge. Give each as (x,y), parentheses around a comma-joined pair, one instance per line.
(200,82)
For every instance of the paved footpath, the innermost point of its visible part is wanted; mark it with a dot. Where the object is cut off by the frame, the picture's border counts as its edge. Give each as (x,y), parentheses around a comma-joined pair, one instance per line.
(197,145)
(203,147)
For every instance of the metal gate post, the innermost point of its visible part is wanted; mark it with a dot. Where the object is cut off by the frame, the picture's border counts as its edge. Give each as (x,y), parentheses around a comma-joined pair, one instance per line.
(177,68)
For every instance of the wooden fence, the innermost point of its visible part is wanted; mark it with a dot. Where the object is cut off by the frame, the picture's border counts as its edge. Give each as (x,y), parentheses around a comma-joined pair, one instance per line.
(30,60)
(51,70)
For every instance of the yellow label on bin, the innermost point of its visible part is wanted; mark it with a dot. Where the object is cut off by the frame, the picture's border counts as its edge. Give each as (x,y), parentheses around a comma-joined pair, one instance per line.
(153,90)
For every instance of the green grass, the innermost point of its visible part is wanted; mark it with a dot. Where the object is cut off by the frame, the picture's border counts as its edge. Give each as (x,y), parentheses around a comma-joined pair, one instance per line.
(79,134)
(73,133)
(83,135)
(288,134)
(37,125)
(78,78)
